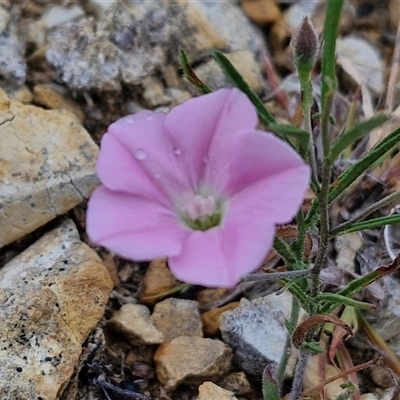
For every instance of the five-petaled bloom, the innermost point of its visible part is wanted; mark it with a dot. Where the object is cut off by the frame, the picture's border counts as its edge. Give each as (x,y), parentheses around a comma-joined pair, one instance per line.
(199,185)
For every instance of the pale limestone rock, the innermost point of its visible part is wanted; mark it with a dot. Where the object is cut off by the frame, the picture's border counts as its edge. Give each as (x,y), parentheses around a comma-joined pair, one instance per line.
(51,296)
(177,317)
(47,166)
(133,321)
(209,390)
(191,360)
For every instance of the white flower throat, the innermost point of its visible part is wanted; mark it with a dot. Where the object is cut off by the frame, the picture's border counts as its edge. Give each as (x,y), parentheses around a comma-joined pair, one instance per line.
(201,212)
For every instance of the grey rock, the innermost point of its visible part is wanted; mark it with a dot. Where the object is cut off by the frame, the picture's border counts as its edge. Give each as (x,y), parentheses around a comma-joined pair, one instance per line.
(256,331)
(12,63)
(134,40)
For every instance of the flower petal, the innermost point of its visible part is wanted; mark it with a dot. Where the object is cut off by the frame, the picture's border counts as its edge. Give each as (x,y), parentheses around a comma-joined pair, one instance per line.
(255,156)
(144,137)
(135,228)
(194,125)
(222,255)
(119,171)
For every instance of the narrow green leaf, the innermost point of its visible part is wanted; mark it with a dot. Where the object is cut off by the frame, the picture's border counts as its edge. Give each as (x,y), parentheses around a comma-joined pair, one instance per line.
(358,284)
(237,80)
(354,134)
(289,130)
(296,291)
(190,75)
(336,299)
(373,223)
(270,388)
(362,165)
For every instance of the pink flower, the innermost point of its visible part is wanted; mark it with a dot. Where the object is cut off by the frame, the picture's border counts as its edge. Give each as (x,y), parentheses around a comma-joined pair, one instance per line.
(199,185)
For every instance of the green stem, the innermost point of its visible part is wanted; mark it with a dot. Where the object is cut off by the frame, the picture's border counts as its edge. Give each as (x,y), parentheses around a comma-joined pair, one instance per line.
(293,319)
(285,252)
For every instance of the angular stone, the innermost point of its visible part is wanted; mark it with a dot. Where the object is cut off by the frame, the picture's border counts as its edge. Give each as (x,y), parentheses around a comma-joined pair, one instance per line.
(158,280)
(210,318)
(51,297)
(209,390)
(47,166)
(133,321)
(177,317)
(256,331)
(191,360)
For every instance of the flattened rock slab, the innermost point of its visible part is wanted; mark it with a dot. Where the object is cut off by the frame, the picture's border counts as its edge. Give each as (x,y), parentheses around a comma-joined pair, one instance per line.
(191,360)
(47,166)
(51,297)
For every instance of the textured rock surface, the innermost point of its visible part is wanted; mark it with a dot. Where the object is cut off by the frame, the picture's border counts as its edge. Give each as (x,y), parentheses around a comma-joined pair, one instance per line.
(133,321)
(46,166)
(51,297)
(256,331)
(191,360)
(209,390)
(210,318)
(177,317)
(134,40)
(12,63)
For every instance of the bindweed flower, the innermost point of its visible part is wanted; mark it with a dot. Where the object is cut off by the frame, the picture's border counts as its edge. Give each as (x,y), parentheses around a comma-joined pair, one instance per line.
(199,185)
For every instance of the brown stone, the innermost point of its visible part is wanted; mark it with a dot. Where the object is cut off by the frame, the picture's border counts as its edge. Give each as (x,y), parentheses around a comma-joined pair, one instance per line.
(209,390)
(158,280)
(133,321)
(177,317)
(191,360)
(211,318)
(262,12)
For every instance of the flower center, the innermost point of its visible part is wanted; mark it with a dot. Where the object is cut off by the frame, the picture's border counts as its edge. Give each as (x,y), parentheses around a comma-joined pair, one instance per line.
(201,212)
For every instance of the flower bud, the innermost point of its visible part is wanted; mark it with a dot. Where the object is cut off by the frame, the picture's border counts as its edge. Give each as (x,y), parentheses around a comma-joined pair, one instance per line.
(305,46)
